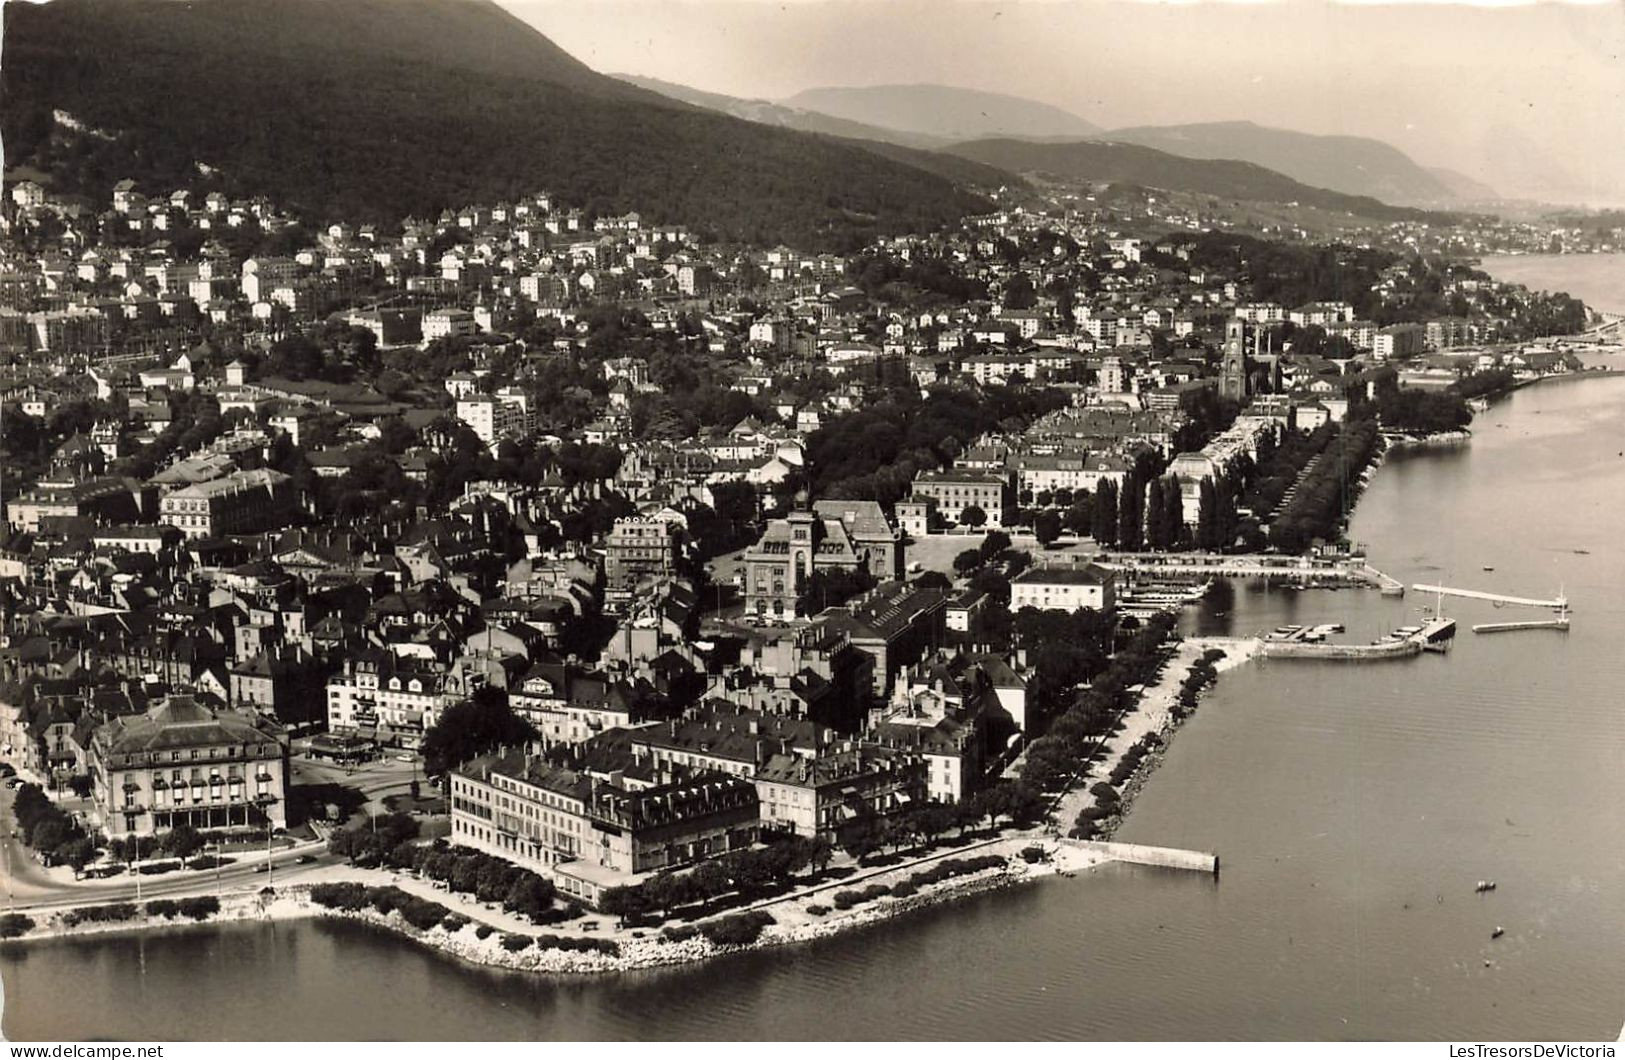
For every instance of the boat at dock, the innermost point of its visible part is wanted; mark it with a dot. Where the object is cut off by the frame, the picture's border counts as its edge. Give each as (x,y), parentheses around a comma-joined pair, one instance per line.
(1437,634)
(1149,598)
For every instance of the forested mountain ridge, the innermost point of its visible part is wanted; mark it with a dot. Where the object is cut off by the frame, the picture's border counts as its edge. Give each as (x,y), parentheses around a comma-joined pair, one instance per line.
(945,112)
(921,152)
(1100,160)
(767,112)
(371,110)
(1353,165)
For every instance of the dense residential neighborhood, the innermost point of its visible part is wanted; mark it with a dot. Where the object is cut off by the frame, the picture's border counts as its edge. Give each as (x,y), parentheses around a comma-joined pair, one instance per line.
(645,551)
(828,521)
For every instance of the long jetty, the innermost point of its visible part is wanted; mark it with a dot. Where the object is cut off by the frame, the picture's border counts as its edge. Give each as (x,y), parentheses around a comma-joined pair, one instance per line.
(1560,603)
(1297,649)
(1434,636)
(1561,624)
(1157,857)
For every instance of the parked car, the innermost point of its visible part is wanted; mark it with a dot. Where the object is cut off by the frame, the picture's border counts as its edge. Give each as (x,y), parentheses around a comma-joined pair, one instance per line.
(305,859)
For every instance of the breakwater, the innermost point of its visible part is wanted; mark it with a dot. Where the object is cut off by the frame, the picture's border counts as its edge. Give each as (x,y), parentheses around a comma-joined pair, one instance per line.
(1297,649)
(1155,857)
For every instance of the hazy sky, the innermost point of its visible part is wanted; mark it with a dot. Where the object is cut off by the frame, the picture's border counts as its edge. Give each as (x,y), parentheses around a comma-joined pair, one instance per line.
(1530,98)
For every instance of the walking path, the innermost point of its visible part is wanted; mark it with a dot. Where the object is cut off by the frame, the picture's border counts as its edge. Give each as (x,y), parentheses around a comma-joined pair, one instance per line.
(1154,713)
(1292,491)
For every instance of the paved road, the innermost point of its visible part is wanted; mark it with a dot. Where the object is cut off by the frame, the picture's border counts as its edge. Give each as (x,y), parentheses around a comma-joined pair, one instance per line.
(29,886)
(383,773)
(23,875)
(241,876)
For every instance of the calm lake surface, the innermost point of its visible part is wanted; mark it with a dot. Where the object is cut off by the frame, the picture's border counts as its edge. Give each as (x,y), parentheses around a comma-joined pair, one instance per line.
(1596,279)
(1354,807)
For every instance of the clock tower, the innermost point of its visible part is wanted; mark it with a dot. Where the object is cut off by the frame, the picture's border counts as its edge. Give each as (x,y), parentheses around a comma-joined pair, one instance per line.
(1233,382)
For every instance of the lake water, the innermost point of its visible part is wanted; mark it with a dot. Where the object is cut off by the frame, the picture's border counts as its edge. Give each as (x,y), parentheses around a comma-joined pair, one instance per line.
(1354,807)
(1596,279)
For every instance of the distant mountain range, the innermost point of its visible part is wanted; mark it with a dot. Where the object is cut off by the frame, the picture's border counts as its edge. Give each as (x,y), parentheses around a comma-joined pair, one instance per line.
(909,148)
(770,113)
(371,110)
(910,115)
(944,113)
(1464,188)
(1101,160)
(1354,165)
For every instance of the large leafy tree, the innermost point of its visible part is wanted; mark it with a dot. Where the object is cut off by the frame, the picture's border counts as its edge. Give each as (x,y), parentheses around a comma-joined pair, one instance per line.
(1105,514)
(1047,528)
(476,726)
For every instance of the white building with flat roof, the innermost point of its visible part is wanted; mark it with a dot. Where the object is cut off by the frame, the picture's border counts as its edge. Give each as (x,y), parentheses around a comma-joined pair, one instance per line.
(1064,588)
(491,418)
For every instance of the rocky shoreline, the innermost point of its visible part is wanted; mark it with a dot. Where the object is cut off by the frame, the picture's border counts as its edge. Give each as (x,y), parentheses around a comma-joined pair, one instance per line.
(651,951)
(795,919)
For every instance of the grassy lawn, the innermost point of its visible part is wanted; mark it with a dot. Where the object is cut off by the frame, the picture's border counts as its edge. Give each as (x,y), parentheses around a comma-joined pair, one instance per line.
(937,551)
